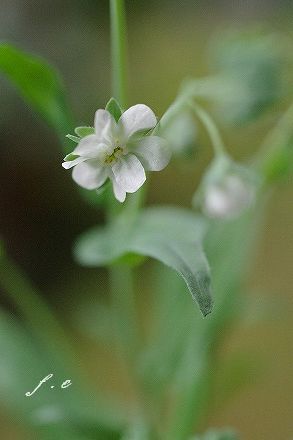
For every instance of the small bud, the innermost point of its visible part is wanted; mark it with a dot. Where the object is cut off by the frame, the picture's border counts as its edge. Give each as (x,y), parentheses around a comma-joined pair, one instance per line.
(228,199)
(227,190)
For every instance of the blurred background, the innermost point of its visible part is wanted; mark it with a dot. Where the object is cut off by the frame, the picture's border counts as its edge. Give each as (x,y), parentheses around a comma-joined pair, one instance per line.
(41,212)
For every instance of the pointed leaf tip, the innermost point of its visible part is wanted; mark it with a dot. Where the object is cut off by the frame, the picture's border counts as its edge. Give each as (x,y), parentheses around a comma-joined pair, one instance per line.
(114,108)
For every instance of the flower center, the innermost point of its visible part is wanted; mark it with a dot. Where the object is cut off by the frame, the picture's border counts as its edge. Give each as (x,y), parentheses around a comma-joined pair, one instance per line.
(117,152)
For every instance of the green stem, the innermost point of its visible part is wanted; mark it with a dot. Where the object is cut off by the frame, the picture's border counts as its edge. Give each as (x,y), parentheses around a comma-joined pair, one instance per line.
(121,277)
(124,310)
(191,402)
(118,50)
(212,129)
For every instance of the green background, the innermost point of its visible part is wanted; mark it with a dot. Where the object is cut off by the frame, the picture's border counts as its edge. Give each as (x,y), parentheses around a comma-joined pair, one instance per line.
(42,213)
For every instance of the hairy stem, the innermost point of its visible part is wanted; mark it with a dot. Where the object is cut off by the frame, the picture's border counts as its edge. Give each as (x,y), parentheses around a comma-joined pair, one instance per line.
(211,128)
(121,276)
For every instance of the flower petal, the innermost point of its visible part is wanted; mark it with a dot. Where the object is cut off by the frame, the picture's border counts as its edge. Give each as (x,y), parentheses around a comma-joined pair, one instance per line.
(137,117)
(71,163)
(119,192)
(89,174)
(153,152)
(129,173)
(105,125)
(102,118)
(87,147)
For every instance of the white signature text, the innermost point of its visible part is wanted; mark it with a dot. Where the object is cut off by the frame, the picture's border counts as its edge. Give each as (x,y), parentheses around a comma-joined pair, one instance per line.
(65,384)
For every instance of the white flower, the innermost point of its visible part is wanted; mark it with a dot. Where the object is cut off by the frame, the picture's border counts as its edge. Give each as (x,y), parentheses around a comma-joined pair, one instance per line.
(227,199)
(113,152)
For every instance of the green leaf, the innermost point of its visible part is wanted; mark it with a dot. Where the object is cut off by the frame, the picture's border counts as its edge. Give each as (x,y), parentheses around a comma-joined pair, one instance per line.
(170,235)
(139,430)
(275,158)
(39,84)
(73,138)
(72,413)
(229,263)
(253,62)
(114,108)
(84,131)
(41,87)
(238,372)
(162,357)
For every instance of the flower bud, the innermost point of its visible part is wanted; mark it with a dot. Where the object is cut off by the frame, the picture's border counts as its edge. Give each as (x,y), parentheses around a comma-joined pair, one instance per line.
(227,190)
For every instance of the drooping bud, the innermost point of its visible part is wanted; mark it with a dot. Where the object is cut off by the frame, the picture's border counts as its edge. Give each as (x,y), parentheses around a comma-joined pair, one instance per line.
(227,189)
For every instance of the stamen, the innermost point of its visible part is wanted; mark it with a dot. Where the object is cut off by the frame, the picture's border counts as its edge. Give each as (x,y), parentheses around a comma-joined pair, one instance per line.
(116,153)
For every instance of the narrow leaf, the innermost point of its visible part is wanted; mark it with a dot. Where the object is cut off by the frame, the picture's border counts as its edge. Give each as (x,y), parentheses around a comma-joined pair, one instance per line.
(48,413)
(39,84)
(73,138)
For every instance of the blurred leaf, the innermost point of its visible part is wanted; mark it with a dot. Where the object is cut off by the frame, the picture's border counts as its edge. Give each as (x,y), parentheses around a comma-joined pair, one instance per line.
(57,413)
(39,84)
(114,108)
(275,158)
(41,87)
(92,319)
(139,431)
(240,371)
(170,235)
(168,331)
(229,263)
(226,256)
(253,60)
(282,165)
(223,434)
